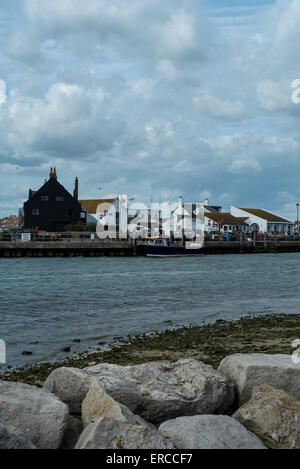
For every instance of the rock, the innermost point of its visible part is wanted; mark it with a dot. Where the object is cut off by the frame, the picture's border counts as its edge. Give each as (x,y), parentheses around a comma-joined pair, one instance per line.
(66,349)
(13,438)
(107,433)
(249,370)
(99,404)
(165,390)
(273,415)
(72,433)
(155,391)
(38,413)
(71,385)
(209,432)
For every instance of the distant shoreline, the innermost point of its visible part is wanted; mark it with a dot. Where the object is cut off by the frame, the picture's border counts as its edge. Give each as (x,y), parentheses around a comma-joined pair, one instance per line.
(208,343)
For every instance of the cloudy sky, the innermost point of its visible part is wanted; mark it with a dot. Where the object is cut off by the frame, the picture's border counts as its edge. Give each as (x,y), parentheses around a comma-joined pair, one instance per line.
(151,98)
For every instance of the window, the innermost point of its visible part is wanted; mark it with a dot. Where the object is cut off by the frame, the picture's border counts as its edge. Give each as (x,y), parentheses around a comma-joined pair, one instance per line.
(59,198)
(35,211)
(70,213)
(45,198)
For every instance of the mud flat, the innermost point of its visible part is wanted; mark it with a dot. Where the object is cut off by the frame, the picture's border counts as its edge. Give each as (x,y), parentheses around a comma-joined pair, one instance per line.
(210,343)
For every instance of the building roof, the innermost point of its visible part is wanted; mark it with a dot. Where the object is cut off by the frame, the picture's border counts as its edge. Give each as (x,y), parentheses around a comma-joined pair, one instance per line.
(50,186)
(213,208)
(31,193)
(226,219)
(91,205)
(270,217)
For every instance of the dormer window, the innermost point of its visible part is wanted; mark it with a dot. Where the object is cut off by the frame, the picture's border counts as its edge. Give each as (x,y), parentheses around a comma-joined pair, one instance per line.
(59,198)
(45,198)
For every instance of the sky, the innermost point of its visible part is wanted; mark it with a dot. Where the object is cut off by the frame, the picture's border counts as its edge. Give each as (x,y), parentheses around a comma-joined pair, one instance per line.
(151,98)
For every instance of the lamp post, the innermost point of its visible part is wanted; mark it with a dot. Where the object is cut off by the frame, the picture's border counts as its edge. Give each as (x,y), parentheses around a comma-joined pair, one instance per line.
(297,205)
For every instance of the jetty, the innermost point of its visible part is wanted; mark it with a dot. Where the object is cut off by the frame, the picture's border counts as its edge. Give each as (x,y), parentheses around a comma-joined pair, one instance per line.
(98,248)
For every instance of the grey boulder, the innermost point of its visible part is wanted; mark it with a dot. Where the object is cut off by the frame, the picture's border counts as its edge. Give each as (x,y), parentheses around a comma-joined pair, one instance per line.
(160,391)
(71,385)
(13,438)
(249,370)
(40,415)
(98,403)
(106,433)
(209,432)
(274,416)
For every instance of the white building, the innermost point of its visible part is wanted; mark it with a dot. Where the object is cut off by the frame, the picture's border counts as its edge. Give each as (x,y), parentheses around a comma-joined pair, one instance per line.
(225,223)
(187,218)
(262,221)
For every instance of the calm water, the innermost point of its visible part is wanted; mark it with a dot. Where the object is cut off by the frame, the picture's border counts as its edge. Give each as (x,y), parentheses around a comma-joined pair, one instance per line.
(46,303)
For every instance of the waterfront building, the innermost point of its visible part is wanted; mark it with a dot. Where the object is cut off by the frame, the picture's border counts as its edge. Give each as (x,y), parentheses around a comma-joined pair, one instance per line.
(186,219)
(119,218)
(9,223)
(184,215)
(261,220)
(52,207)
(96,209)
(225,222)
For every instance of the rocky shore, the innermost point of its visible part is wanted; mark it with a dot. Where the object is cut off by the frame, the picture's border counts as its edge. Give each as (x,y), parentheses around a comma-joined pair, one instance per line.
(252,401)
(227,385)
(210,343)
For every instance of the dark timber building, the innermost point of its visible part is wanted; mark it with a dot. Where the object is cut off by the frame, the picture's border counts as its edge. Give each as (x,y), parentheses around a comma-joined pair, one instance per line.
(52,207)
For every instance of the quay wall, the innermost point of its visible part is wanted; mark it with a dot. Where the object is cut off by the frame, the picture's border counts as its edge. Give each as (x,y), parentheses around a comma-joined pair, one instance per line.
(65,249)
(123,248)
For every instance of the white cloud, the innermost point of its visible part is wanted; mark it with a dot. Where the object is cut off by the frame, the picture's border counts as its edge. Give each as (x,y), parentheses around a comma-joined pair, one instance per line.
(127,87)
(289,20)
(244,166)
(68,121)
(158,131)
(167,69)
(274,96)
(218,108)
(142,155)
(162,29)
(177,35)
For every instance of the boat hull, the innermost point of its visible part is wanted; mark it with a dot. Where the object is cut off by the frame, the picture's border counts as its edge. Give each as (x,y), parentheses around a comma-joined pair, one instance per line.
(171,251)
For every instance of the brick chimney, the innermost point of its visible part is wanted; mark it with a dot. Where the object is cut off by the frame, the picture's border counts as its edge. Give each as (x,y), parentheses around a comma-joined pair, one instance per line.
(75,192)
(53,173)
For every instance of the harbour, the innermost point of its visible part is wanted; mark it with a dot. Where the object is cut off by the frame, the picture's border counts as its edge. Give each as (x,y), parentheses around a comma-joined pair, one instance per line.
(149,227)
(50,305)
(131,249)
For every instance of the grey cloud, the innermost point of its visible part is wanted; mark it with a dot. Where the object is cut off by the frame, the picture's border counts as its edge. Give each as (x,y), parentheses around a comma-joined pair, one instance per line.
(152,98)
(157,29)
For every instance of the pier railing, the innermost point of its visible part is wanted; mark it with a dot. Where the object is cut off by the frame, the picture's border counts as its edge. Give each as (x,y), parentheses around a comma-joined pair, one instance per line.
(66,237)
(89,237)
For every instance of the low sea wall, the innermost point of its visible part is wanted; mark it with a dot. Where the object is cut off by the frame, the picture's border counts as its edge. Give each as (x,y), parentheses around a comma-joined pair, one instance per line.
(124,248)
(65,249)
